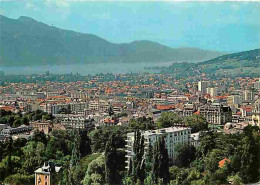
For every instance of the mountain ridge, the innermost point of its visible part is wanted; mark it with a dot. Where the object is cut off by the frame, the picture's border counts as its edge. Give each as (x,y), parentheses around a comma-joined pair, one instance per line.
(28,42)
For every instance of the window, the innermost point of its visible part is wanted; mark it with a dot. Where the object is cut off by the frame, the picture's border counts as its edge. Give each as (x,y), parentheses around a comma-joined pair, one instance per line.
(39,181)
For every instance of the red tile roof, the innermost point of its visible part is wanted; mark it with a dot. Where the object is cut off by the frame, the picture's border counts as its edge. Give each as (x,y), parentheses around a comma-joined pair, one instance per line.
(222,163)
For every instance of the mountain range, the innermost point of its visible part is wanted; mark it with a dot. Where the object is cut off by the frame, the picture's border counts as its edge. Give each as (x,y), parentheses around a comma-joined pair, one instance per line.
(27,42)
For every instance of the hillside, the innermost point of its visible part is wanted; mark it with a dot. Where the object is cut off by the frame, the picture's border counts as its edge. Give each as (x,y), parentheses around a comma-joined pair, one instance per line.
(242,62)
(27,42)
(246,63)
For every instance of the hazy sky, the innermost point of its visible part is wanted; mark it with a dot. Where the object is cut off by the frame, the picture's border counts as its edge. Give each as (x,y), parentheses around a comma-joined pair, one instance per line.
(222,26)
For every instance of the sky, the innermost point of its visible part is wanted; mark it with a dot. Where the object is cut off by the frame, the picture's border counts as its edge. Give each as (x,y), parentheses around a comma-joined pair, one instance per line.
(220,26)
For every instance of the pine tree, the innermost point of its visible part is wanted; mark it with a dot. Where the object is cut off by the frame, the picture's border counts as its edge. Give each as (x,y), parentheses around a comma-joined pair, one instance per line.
(9,166)
(110,161)
(160,168)
(138,171)
(149,160)
(74,160)
(130,169)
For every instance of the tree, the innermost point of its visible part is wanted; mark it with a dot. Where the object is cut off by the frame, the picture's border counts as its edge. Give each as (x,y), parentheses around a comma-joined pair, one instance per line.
(142,123)
(235,180)
(169,119)
(39,136)
(99,137)
(25,120)
(138,165)
(245,160)
(110,111)
(74,168)
(33,156)
(196,123)
(64,110)
(17,122)
(207,143)
(84,147)
(149,160)
(185,154)
(95,172)
(160,168)
(212,159)
(111,161)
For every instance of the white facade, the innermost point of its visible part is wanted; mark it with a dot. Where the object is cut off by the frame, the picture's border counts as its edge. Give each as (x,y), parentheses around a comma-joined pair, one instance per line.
(202,86)
(173,136)
(212,91)
(248,95)
(77,122)
(257,84)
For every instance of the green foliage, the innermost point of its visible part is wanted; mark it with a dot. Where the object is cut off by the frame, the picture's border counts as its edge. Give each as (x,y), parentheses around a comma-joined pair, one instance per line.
(64,110)
(160,168)
(235,180)
(168,119)
(96,172)
(71,150)
(212,159)
(185,154)
(142,123)
(85,161)
(34,153)
(99,137)
(17,119)
(20,179)
(39,136)
(111,161)
(196,123)
(138,165)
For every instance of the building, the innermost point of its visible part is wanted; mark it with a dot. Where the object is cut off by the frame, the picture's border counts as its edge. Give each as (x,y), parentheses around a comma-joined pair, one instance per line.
(257,84)
(18,130)
(216,113)
(78,107)
(101,105)
(248,95)
(188,110)
(77,122)
(256,114)
(202,86)
(173,136)
(41,126)
(234,99)
(47,174)
(51,94)
(160,101)
(212,91)
(78,95)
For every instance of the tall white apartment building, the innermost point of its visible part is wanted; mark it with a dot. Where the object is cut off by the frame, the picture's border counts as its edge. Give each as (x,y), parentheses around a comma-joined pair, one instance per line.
(202,86)
(248,95)
(257,84)
(173,136)
(212,91)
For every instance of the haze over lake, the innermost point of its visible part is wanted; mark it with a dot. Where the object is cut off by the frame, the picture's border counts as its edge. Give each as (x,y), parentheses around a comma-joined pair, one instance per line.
(83,69)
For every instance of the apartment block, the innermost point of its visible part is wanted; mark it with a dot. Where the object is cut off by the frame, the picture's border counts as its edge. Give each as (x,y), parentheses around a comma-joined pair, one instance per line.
(173,136)
(216,113)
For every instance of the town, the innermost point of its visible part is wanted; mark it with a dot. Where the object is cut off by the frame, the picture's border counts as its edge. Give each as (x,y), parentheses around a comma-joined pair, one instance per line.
(123,106)
(139,92)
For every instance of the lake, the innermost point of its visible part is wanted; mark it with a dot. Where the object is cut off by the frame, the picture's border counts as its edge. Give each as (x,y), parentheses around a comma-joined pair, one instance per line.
(83,69)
